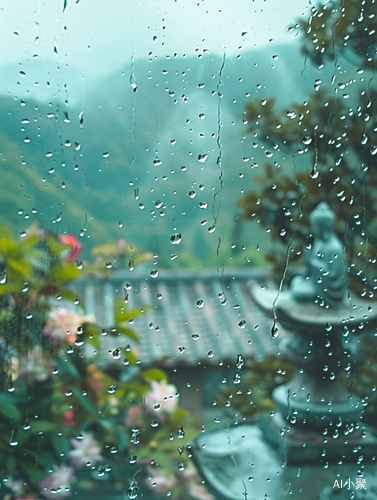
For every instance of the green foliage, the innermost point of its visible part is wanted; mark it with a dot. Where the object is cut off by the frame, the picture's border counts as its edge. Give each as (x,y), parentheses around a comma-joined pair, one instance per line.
(53,394)
(346,27)
(253,394)
(330,147)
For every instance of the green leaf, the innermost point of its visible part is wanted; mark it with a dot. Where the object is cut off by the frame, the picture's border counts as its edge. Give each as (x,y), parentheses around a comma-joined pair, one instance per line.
(44,426)
(129,355)
(91,332)
(124,330)
(85,402)
(67,294)
(105,248)
(61,444)
(8,409)
(153,374)
(122,314)
(34,473)
(67,368)
(64,271)
(20,265)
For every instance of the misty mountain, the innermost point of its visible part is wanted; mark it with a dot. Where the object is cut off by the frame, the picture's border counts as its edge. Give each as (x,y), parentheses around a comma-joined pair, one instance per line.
(154,149)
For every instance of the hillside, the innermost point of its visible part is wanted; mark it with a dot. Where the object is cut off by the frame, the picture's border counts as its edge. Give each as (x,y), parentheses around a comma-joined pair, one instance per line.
(159,158)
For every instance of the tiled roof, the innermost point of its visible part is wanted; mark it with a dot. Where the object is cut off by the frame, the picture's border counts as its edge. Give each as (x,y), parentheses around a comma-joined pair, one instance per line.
(193,316)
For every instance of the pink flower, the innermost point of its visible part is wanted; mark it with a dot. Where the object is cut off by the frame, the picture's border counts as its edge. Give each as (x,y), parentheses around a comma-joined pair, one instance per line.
(199,492)
(62,325)
(161,480)
(134,417)
(58,483)
(86,450)
(16,485)
(76,247)
(162,397)
(69,420)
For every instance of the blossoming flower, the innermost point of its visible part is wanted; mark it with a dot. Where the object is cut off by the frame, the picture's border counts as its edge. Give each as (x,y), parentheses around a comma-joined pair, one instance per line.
(62,325)
(134,417)
(161,480)
(76,247)
(58,483)
(199,492)
(86,450)
(161,397)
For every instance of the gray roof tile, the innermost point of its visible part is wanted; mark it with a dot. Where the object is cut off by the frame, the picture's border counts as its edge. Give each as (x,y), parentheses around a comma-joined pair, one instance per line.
(175,330)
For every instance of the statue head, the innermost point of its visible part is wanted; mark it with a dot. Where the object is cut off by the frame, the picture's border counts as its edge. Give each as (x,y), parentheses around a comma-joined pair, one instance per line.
(322,219)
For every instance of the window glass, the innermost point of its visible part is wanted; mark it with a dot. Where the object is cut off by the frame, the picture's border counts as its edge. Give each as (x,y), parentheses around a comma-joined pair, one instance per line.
(187,249)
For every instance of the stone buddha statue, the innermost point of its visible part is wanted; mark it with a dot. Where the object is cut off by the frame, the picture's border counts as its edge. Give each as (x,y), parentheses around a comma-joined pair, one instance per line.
(324,278)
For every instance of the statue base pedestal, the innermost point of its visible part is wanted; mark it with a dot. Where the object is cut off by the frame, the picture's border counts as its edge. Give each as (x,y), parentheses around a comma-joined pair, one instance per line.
(237,463)
(300,446)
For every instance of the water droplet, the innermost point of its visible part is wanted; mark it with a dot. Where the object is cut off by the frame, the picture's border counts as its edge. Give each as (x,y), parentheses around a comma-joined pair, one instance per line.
(240,362)
(241,324)
(176,239)
(200,303)
(202,157)
(26,426)
(201,116)
(154,273)
(314,173)
(135,435)
(112,389)
(307,140)
(195,336)
(109,265)
(132,459)
(79,264)
(192,194)
(3,277)
(274,331)
(180,449)
(106,155)
(212,228)
(237,378)
(181,349)
(210,354)
(157,162)
(13,438)
(180,432)
(116,353)
(154,423)
(133,488)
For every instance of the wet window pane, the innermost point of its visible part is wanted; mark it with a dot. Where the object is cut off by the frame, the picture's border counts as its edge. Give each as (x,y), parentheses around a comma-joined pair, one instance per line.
(188,250)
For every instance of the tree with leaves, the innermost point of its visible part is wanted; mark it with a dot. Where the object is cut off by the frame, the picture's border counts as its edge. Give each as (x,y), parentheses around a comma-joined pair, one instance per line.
(334,133)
